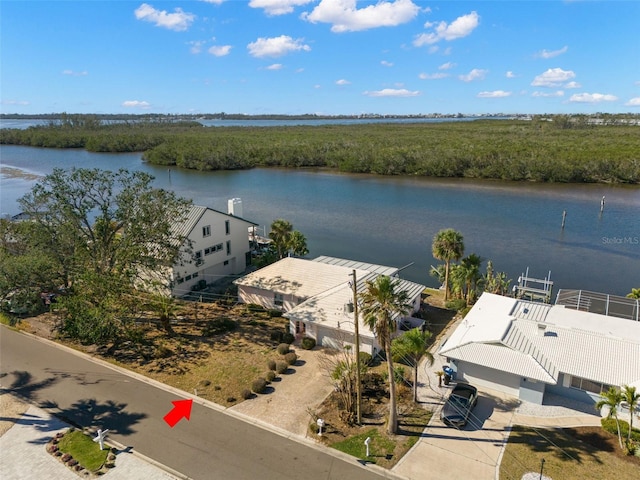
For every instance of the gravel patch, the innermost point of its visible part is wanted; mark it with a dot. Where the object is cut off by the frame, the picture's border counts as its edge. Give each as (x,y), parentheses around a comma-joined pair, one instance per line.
(557,406)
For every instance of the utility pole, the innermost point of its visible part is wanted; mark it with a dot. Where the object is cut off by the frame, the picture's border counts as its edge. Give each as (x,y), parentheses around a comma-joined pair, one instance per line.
(356,323)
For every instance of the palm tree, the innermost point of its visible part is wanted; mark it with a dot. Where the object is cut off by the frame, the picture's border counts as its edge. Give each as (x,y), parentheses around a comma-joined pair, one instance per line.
(280,234)
(470,267)
(612,399)
(635,293)
(448,245)
(411,348)
(632,399)
(381,304)
(298,244)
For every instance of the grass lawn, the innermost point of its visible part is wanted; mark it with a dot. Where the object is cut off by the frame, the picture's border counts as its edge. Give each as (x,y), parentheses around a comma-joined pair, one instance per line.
(83,449)
(569,454)
(380,446)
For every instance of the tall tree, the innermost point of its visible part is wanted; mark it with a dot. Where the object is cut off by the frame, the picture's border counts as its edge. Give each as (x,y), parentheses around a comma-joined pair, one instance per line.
(382,304)
(466,276)
(632,399)
(410,349)
(298,244)
(280,234)
(611,399)
(448,246)
(105,231)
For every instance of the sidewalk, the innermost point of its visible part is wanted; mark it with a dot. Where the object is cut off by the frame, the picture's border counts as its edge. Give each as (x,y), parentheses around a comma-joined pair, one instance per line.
(23,455)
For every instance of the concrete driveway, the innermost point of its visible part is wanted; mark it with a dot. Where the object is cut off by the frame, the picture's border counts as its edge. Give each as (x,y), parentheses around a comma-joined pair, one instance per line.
(471,452)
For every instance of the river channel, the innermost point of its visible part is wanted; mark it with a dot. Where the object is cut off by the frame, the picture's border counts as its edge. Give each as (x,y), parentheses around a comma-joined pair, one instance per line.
(392,220)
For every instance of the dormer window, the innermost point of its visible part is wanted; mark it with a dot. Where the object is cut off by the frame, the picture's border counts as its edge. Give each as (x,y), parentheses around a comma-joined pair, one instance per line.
(206,231)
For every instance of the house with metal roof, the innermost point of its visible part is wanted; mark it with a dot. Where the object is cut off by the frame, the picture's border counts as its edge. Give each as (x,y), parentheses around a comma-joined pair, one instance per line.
(317,297)
(216,245)
(526,349)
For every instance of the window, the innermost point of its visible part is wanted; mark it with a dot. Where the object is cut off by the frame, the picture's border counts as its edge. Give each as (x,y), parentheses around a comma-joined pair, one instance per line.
(228,247)
(227,227)
(187,278)
(226,262)
(198,254)
(589,385)
(180,280)
(195,274)
(278,299)
(206,231)
(208,251)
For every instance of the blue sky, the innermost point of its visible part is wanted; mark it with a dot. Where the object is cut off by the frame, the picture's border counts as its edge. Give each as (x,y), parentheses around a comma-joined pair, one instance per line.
(319,56)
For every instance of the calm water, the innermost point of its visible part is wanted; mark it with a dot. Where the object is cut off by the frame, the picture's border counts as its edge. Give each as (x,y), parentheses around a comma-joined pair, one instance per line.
(392,220)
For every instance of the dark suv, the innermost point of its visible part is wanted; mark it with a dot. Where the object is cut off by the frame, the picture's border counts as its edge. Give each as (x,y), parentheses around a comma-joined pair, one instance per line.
(461,401)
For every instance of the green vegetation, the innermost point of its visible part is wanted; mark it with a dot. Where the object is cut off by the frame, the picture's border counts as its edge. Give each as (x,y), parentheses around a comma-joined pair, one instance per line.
(545,149)
(84,450)
(409,349)
(569,454)
(380,446)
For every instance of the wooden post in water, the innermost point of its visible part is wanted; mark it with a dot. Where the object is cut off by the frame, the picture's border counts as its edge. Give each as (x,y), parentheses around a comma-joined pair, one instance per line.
(602,204)
(564,217)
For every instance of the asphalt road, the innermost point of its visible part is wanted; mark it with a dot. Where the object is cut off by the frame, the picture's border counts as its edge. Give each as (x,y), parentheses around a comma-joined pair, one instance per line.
(212,445)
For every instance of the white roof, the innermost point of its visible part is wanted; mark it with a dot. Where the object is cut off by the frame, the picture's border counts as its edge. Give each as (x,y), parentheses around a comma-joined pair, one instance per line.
(298,276)
(540,341)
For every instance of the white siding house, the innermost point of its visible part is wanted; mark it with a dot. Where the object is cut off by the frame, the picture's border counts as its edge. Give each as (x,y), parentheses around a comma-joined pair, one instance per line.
(526,348)
(218,247)
(317,297)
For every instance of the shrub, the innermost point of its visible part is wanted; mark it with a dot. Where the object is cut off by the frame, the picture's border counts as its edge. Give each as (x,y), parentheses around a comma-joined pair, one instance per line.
(308,343)
(66,457)
(259,385)
(218,326)
(281,367)
(366,359)
(254,307)
(313,426)
(288,338)
(291,358)
(271,364)
(609,425)
(283,348)
(270,375)
(72,462)
(246,394)
(232,399)
(456,304)
(276,336)
(275,313)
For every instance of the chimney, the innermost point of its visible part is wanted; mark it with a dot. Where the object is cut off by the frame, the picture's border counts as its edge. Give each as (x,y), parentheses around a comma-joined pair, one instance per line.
(234,207)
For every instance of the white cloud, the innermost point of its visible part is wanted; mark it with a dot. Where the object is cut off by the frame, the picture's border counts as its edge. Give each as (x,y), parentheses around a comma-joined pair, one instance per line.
(275,66)
(592,98)
(342,81)
(510,74)
(346,17)
(215,2)
(459,28)
(384,63)
(299,70)
(447,66)
(220,50)
(196,46)
(276,46)
(551,54)
(73,73)
(432,76)
(554,77)
(392,92)
(475,74)
(21,103)
(136,104)
(277,7)
(573,85)
(494,94)
(178,21)
(634,102)
(558,93)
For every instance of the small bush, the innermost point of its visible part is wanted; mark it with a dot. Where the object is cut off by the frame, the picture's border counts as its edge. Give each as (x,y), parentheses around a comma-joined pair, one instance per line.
(271,364)
(275,313)
(276,336)
(232,399)
(366,359)
(288,338)
(259,385)
(456,304)
(291,358)
(219,326)
(72,462)
(283,348)
(314,428)
(609,425)
(308,343)
(246,394)
(162,351)
(66,457)
(281,367)
(254,307)
(270,376)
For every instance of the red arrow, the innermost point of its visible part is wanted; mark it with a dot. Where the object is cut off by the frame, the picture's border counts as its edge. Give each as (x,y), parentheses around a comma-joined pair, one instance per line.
(181,408)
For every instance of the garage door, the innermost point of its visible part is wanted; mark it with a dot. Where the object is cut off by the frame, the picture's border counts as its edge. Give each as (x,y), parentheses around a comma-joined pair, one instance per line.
(489,378)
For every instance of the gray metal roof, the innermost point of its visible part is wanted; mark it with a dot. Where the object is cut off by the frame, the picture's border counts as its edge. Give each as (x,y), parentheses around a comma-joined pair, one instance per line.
(354,264)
